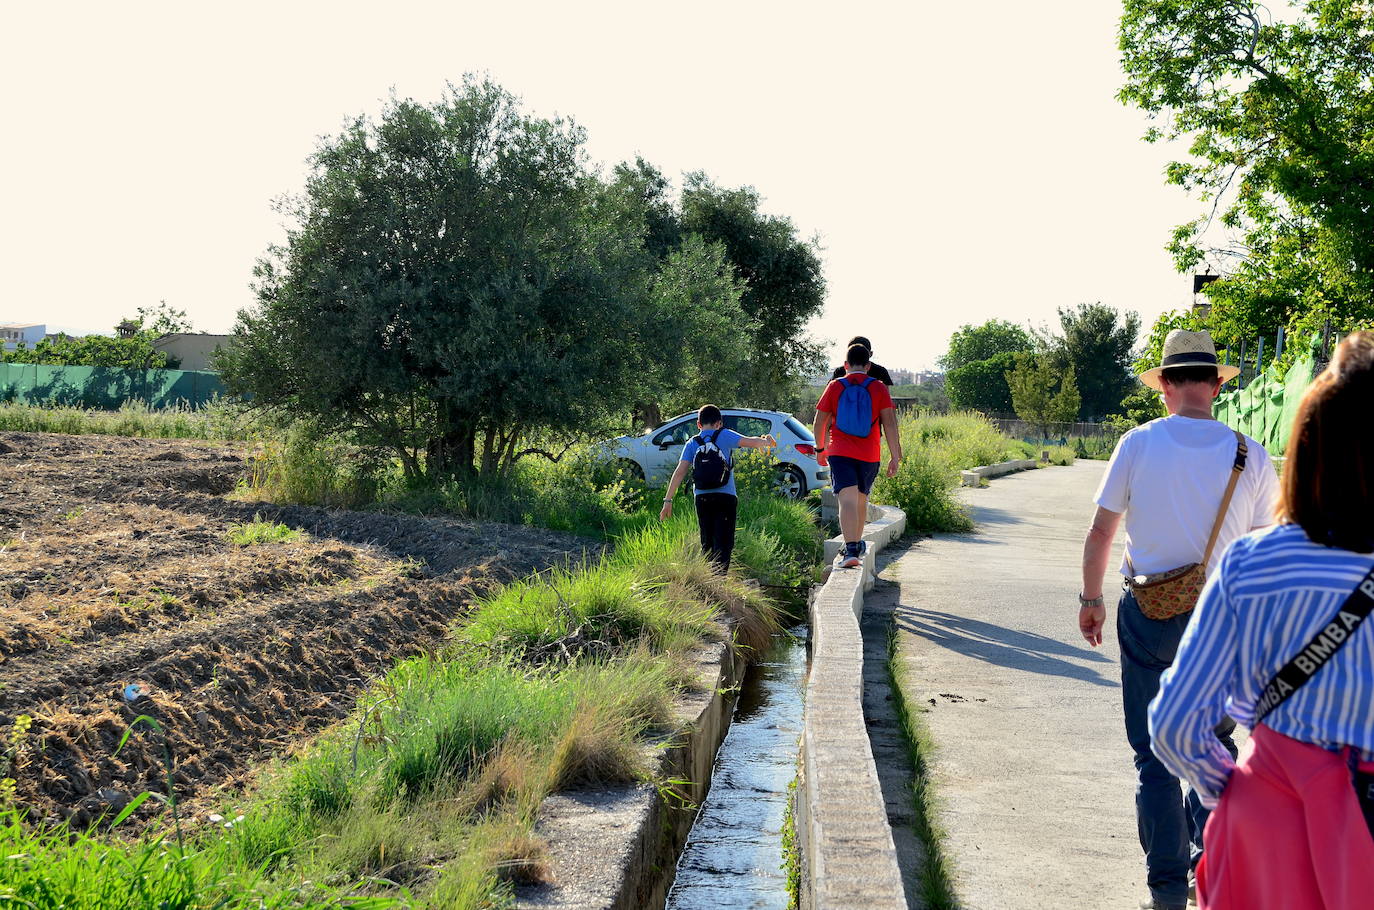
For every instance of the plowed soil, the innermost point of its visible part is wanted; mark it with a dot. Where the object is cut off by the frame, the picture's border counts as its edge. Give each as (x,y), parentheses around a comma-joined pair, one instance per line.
(117,570)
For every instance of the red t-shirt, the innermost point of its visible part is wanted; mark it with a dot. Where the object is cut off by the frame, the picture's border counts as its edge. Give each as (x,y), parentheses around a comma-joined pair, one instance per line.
(864,448)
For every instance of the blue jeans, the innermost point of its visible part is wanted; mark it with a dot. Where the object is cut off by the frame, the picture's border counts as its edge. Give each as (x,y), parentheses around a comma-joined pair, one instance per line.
(1170,824)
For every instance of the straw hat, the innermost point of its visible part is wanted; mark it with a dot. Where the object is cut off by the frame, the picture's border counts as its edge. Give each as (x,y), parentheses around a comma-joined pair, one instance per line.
(1188,349)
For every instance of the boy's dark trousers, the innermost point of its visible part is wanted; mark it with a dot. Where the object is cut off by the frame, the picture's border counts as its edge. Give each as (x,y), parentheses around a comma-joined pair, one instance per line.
(716,515)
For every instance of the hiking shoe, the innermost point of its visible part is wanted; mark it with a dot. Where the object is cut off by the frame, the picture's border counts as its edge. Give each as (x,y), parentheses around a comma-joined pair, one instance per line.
(852,555)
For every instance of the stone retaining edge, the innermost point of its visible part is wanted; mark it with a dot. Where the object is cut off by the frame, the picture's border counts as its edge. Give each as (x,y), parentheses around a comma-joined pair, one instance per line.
(847,855)
(971,477)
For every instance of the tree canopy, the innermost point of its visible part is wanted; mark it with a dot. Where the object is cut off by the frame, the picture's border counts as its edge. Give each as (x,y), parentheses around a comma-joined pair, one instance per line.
(982,384)
(1097,343)
(972,343)
(459,284)
(1279,121)
(783,285)
(1042,394)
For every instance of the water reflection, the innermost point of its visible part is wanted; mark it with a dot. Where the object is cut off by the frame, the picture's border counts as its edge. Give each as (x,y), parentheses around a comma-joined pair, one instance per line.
(733,858)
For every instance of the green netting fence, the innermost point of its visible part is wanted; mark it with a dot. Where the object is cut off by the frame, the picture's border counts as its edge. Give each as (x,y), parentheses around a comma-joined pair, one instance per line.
(1264,409)
(106,387)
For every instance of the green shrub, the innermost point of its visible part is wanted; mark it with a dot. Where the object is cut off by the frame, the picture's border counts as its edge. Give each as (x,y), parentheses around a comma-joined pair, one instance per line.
(924,489)
(259,531)
(935,449)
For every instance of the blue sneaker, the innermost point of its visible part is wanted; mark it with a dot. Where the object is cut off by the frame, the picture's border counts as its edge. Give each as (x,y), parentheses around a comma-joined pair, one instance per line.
(853,555)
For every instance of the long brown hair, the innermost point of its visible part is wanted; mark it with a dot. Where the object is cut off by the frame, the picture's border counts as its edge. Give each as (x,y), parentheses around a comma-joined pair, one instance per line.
(1328,481)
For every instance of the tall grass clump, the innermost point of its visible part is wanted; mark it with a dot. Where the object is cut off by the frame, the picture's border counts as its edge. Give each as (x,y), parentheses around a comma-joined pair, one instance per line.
(442,755)
(219,420)
(300,464)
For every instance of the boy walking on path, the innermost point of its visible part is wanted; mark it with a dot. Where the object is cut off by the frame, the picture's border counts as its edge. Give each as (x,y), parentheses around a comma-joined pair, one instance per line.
(1187,486)
(851,418)
(708,456)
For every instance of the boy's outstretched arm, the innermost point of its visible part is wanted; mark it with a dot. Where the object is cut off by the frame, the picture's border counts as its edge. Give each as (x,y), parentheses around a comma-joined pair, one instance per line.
(758,442)
(667,511)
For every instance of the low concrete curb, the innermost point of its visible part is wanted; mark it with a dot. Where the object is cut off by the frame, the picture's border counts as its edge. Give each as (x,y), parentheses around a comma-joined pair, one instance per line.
(848,858)
(617,848)
(973,476)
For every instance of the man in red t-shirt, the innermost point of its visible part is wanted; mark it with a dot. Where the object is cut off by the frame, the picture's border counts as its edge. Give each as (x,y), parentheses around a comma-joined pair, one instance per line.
(854,459)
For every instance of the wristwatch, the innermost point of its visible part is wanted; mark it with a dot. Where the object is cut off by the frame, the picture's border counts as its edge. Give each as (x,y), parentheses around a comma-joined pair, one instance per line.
(1089,601)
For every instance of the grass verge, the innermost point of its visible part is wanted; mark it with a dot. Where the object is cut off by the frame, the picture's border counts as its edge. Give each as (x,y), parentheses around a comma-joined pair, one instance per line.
(935,878)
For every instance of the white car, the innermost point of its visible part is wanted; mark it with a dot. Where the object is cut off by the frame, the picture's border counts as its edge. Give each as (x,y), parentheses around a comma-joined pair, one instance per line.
(654,455)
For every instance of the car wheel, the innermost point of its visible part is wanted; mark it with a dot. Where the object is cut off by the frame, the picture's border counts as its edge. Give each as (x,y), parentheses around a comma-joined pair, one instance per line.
(631,469)
(790,482)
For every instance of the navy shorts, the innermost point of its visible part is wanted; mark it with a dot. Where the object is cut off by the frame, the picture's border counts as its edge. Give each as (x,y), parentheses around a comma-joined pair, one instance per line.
(851,472)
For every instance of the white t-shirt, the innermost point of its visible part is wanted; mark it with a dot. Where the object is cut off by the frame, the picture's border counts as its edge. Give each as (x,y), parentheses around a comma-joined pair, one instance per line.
(1168,477)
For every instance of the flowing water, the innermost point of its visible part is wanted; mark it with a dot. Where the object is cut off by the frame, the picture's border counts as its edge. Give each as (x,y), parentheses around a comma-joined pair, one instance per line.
(733,859)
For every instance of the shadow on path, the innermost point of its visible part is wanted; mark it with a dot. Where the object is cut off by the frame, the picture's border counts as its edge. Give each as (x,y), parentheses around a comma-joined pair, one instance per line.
(994,516)
(1002,646)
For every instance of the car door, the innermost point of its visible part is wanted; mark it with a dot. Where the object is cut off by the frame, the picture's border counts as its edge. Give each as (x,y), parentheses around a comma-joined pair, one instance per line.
(665,450)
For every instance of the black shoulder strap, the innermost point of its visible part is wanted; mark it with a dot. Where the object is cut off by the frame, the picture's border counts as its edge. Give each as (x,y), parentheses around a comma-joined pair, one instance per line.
(1319,650)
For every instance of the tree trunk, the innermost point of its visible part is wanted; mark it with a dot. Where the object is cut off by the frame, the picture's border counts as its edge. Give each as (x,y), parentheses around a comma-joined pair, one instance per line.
(452,452)
(647,415)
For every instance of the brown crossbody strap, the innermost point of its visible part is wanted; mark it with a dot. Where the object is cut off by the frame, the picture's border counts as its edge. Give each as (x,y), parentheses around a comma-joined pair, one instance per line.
(1237,469)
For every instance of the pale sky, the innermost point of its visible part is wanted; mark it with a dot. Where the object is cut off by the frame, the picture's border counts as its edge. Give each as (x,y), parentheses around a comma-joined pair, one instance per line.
(959,161)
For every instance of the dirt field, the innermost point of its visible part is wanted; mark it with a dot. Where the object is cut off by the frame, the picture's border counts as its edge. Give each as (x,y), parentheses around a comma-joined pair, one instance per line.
(116,568)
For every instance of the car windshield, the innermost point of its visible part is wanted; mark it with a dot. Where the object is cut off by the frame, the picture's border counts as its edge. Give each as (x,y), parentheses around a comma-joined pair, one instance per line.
(796,426)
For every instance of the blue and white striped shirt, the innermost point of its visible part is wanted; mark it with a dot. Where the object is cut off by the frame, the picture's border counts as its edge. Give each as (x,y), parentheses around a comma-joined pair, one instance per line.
(1271,595)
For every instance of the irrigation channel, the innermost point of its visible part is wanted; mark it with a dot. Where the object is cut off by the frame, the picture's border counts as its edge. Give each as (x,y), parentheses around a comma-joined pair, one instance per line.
(733,859)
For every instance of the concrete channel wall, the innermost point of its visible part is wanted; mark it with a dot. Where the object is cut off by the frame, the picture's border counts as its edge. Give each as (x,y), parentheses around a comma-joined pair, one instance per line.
(615,848)
(847,855)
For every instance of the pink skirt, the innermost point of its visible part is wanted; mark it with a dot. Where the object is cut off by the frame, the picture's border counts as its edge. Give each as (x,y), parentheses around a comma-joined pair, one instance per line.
(1288,833)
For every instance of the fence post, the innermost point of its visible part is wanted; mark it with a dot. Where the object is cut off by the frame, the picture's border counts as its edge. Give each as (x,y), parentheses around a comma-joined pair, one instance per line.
(1259,358)
(1278,345)
(1241,382)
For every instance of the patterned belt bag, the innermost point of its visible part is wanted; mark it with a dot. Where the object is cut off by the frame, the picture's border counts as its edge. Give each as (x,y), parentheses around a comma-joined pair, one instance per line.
(1164,595)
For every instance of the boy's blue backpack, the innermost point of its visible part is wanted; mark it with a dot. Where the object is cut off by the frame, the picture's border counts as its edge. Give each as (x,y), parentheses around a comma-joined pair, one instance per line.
(710,467)
(854,415)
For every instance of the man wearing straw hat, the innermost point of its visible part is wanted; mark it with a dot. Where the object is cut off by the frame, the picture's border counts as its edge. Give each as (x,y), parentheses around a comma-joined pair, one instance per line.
(1186,485)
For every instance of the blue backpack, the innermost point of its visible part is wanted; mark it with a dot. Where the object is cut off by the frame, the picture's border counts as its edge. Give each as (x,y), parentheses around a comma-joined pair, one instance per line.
(854,415)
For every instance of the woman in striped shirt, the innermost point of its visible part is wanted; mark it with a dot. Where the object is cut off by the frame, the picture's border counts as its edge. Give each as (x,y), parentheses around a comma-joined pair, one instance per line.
(1288,831)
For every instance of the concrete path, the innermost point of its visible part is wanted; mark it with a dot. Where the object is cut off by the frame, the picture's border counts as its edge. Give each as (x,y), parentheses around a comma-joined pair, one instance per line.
(1031,763)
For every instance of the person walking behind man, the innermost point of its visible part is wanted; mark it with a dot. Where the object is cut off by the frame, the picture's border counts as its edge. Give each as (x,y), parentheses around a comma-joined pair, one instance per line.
(1279,643)
(708,456)
(851,418)
(1187,485)
(877,371)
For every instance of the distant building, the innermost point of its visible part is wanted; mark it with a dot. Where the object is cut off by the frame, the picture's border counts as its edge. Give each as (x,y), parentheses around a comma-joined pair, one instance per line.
(928,377)
(27,333)
(193,349)
(902,377)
